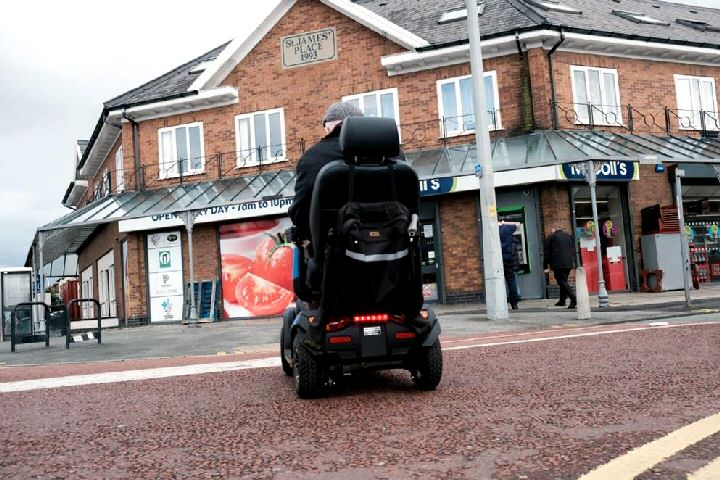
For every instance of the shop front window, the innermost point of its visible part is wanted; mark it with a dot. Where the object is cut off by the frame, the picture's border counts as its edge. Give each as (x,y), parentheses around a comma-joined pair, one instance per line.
(614,240)
(702,224)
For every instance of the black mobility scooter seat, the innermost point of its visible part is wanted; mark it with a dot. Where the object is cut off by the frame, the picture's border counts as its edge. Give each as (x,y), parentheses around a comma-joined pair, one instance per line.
(365,269)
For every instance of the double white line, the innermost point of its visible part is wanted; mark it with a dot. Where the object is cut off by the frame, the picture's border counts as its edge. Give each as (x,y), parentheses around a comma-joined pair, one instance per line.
(641,459)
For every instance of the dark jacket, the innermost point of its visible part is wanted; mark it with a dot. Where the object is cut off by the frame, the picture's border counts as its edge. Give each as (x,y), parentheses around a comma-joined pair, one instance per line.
(509,247)
(560,251)
(316,157)
(325,151)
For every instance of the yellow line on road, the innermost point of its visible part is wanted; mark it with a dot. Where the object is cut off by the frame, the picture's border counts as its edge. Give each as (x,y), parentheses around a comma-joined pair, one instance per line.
(711,471)
(635,462)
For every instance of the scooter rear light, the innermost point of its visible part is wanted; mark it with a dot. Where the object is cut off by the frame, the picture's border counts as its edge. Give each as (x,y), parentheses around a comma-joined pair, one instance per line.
(372,318)
(405,335)
(340,339)
(336,324)
(379,318)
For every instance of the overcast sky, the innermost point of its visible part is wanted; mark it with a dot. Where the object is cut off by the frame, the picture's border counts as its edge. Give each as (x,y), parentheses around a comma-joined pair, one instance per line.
(60,60)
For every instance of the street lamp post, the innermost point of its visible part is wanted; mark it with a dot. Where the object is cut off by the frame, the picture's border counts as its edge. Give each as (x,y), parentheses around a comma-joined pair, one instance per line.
(495,293)
(683,236)
(591,175)
(189,223)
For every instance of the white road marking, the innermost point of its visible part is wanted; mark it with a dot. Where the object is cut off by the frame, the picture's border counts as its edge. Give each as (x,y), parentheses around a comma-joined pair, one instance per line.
(637,461)
(165,372)
(130,375)
(711,471)
(575,335)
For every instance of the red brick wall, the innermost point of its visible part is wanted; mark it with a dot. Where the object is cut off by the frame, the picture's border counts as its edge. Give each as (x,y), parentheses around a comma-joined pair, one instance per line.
(205,251)
(462,256)
(137,275)
(306,92)
(109,165)
(647,85)
(556,212)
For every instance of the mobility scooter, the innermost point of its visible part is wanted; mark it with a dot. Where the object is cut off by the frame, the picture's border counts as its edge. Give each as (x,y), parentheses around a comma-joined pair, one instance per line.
(359,282)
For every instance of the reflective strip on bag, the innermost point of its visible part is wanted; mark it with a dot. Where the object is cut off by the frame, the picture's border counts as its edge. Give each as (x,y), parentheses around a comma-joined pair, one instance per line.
(378,257)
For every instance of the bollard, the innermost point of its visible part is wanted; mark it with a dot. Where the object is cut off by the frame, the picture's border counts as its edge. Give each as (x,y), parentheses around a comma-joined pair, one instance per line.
(583,296)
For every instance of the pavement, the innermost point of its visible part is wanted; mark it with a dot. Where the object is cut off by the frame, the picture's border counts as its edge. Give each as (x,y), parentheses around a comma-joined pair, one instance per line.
(261,335)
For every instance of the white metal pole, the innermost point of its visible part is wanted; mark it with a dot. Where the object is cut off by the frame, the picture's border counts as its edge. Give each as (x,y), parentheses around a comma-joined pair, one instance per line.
(41,262)
(495,293)
(683,236)
(603,299)
(189,221)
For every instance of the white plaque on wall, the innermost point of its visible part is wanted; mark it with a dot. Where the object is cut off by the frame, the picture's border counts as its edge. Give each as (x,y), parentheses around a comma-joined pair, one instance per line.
(308,48)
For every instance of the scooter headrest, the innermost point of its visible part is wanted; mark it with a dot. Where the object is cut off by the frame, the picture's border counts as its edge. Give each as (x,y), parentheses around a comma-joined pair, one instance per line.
(368,140)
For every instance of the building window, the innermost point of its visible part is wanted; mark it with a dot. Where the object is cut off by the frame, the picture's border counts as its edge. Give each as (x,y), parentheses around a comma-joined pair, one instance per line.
(260,137)
(456,109)
(106,184)
(597,96)
(120,170)
(181,150)
(380,103)
(697,102)
(86,291)
(106,285)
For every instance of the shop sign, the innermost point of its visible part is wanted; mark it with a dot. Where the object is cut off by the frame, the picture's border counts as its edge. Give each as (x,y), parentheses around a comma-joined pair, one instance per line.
(611,171)
(437,186)
(255,209)
(164,277)
(308,48)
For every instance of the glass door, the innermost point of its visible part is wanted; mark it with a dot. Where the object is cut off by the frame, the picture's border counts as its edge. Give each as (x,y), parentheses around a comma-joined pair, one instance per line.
(615,240)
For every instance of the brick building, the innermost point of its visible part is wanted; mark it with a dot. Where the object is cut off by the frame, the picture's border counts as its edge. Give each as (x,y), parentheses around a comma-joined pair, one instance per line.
(624,82)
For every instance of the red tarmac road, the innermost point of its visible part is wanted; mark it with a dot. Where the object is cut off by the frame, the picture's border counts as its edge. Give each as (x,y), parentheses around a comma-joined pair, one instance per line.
(552,405)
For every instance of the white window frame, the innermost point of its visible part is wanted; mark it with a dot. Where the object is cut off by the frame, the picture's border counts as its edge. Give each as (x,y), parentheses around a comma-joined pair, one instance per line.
(602,120)
(106,188)
(169,168)
(119,170)
(378,105)
(458,99)
(107,294)
(86,291)
(378,93)
(251,159)
(710,124)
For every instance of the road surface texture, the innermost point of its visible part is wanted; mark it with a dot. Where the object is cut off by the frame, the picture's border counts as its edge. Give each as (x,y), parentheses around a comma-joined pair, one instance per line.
(560,403)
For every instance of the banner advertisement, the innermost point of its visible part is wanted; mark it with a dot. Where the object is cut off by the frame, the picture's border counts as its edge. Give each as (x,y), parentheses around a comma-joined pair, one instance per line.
(516,216)
(257,264)
(165,279)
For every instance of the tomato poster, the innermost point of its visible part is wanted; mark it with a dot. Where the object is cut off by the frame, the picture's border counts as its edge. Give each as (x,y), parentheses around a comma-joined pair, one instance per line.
(257,265)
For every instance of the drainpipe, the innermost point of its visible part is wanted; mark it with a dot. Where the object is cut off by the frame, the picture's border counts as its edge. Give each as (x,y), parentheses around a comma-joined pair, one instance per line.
(139,180)
(555,121)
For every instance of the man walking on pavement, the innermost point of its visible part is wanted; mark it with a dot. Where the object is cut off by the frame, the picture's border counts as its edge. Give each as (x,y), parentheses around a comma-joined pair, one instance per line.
(511,260)
(560,258)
